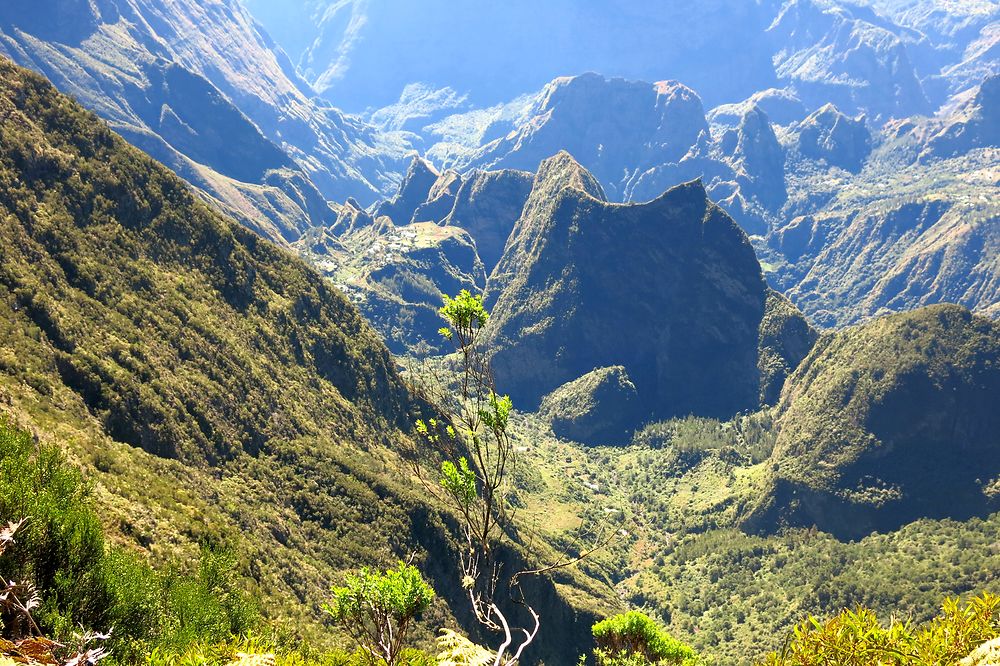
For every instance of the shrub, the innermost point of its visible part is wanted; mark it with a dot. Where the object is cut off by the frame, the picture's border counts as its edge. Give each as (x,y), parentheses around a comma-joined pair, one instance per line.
(857,638)
(377,609)
(633,639)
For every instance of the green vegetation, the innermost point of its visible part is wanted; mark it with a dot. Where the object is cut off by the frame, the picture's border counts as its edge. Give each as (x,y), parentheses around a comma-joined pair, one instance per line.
(857,638)
(215,390)
(481,487)
(82,581)
(378,610)
(633,639)
(865,415)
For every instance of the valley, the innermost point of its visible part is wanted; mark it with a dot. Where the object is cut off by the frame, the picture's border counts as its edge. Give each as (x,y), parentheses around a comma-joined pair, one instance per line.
(736,265)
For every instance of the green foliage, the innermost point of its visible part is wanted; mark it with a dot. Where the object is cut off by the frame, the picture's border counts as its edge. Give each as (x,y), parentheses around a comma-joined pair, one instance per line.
(496,412)
(83,581)
(459,481)
(464,313)
(60,548)
(633,639)
(857,638)
(135,320)
(457,650)
(377,609)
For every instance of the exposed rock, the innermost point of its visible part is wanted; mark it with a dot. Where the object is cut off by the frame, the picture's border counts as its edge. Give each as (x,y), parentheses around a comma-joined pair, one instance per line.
(845,54)
(488,205)
(829,135)
(599,408)
(218,103)
(414,191)
(759,160)
(612,126)
(669,289)
(987,654)
(975,124)
(782,106)
(440,198)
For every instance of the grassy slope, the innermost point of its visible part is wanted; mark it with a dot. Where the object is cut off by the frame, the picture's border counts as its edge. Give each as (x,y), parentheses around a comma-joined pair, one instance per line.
(685,486)
(211,386)
(214,387)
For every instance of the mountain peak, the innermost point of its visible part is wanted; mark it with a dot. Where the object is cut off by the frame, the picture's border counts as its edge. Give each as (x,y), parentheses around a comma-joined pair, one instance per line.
(413,191)
(562,171)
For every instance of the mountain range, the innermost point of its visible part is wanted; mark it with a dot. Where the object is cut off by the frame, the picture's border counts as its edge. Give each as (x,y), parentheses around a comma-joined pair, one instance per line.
(741,262)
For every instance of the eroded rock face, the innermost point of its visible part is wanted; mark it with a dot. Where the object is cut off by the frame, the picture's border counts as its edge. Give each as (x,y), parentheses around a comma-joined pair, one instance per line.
(612,126)
(488,205)
(888,422)
(413,192)
(975,124)
(601,407)
(829,135)
(847,55)
(671,290)
(759,160)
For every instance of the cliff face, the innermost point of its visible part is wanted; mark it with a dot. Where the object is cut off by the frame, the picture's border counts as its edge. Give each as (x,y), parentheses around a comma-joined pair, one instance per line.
(669,290)
(613,126)
(488,206)
(888,422)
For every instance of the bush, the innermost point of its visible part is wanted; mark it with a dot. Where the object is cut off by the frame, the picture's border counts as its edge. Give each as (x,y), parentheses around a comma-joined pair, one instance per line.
(378,609)
(857,638)
(84,582)
(633,639)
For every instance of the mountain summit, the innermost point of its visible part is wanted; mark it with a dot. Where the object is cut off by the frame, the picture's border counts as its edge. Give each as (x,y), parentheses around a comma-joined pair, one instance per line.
(670,291)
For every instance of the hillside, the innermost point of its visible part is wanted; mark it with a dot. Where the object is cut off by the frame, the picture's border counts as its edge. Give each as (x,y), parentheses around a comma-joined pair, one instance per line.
(213,388)
(203,89)
(671,290)
(889,422)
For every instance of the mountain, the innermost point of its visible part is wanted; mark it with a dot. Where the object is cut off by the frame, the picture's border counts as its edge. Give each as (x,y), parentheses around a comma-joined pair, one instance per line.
(214,388)
(364,53)
(879,57)
(915,225)
(201,87)
(488,205)
(614,126)
(831,136)
(888,422)
(670,290)
(439,234)
(848,55)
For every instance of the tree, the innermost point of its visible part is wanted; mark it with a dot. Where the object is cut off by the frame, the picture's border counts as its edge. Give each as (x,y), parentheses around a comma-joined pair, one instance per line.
(477,482)
(377,609)
(633,639)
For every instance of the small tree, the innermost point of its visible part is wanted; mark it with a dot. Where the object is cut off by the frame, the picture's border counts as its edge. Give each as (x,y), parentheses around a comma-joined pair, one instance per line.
(377,609)
(633,639)
(478,482)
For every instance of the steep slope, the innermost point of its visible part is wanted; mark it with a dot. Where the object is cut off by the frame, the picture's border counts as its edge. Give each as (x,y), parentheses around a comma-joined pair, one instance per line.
(915,225)
(488,205)
(671,290)
(847,55)
(414,191)
(888,422)
(613,126)
(200,87)
(897,237)
(214,388)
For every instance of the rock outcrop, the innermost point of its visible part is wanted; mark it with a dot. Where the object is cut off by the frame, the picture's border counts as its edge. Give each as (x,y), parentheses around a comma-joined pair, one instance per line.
(601,407)
(829,135)
(670,290)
